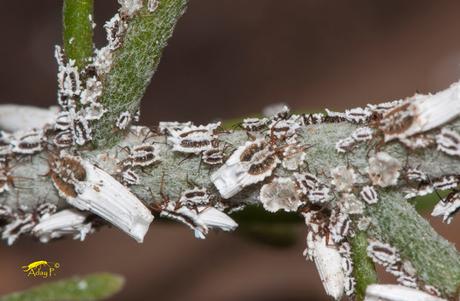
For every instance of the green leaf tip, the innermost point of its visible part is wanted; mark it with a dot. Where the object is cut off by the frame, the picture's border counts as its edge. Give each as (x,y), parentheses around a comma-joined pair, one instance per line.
(87,288)
(363,267)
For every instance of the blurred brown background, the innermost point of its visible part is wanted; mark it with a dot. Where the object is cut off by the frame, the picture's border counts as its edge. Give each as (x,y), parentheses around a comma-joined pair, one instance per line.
(229,58)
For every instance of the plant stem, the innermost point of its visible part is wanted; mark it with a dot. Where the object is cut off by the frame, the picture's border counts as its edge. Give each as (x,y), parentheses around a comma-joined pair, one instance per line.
(436,260)
(78,30)
(363,267)
(134,65)
(395,220)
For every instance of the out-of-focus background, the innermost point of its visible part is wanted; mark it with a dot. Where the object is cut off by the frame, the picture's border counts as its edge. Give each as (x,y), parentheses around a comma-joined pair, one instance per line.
(229,58)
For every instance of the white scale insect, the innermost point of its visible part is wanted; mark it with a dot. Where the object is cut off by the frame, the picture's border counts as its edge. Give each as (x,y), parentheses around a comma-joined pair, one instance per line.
(69,79)
(115,28)
(254,124)
(414,174)
(369,195)
(448,207)
(27,142)
(64,139)
(382,253)
(193,210)
(328,262)
(89,188)
(347,267)
(20,224)
(345,145)
(81,130)
(123,120)
(143,155)
(63,120)
(358,115)
(249,164)
(340,226)
(392,292)
(194,139)
(359,135)
(213,156)
(310,187)
(283,129)
(168,127)
(129,177)
(293,157)
(65,222)
(448,141)
(421,113)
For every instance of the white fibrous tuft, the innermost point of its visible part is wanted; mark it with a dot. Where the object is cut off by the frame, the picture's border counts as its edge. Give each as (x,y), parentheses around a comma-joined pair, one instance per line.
(343,178)
(92,91)
(276,111)
(65,222)
(249,164)
(369,195)
(364,223)
(448,141)
(94,111)
(124,119)
(383,169)
(130,7)
(293,157)
(448,207)
(350,204)
(280,194)
(393,292)
(103,60)
(152,5)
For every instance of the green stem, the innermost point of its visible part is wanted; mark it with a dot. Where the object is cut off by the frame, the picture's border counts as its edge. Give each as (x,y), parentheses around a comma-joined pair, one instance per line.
(363,267)
(78,30)
(436,260)
(134,65)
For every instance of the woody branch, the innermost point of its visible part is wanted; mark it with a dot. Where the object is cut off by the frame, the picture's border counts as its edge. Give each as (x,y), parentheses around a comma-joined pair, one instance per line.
(378,154)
